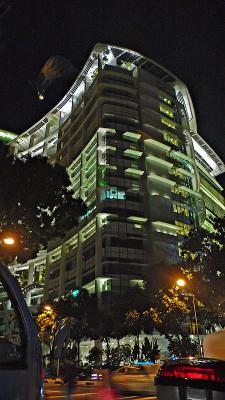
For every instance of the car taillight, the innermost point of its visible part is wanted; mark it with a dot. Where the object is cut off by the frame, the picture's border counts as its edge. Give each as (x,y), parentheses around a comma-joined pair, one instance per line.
(202,370)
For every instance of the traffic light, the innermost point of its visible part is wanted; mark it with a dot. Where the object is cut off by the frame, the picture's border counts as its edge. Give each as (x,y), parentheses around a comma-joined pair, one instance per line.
(75,292)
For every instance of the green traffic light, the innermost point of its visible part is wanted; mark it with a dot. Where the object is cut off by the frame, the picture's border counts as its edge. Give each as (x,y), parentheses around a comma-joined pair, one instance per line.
(75,292)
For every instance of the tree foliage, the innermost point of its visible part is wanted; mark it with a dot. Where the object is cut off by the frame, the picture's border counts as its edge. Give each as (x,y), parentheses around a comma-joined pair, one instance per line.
(35,204)
(182,346)
(204,261)
(82,310)
(150,350)
(47,322)
(170,313)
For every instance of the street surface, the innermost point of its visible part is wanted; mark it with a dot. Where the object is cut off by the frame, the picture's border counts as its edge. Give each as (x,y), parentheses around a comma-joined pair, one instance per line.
(57,391)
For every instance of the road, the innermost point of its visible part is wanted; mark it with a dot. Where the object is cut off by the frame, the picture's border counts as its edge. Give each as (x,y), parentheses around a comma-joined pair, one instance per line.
(56,391)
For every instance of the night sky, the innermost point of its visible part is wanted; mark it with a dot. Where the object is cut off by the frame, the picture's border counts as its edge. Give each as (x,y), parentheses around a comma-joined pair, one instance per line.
(185,36)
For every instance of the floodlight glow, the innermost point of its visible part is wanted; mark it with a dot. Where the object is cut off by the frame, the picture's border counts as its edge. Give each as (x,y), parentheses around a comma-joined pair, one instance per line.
(180,283)
(9,241)
(47,308)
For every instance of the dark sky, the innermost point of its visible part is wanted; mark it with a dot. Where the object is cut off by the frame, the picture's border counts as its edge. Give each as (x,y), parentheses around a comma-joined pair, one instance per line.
(185,36)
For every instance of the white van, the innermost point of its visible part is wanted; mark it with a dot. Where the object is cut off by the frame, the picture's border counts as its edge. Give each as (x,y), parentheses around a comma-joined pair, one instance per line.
(20,352)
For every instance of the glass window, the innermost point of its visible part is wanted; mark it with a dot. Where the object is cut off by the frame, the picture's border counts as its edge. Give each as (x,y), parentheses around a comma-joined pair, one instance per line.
(12,336)
(166,111)
(168,123)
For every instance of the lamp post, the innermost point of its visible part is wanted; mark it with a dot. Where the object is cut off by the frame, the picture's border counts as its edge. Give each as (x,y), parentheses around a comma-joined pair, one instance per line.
(180,283)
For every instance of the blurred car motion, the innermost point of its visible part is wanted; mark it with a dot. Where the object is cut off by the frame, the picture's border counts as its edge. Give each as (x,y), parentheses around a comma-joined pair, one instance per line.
(136,379)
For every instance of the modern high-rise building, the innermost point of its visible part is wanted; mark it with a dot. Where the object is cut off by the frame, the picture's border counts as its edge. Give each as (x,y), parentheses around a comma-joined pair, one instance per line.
(126,132)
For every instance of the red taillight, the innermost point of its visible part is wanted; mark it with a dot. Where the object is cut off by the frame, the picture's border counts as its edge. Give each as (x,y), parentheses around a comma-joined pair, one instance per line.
(193,372)
(189,373)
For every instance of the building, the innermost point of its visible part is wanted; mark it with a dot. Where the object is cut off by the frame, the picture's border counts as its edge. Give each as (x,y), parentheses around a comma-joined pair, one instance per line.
(209,167)
(6,136)
(126,132)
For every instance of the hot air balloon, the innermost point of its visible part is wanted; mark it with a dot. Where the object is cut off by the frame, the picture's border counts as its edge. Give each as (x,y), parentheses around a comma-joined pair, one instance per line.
(54,68)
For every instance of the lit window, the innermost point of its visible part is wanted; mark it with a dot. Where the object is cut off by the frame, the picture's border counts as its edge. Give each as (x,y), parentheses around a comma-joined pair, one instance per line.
(166,111)
(135,186)
(170,124)
(115,194)
(165,99)
(184,228)
(180,209)
(174,171)
(177,190)
(171,138)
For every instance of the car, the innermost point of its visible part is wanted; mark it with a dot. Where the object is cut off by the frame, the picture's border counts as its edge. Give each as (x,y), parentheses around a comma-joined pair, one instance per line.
(20,352)
(135,378)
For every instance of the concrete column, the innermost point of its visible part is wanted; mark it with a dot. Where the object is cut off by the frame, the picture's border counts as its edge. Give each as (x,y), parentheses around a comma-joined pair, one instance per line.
(47,277)
(45,147)
(98,246)
(62,271)
(79,266)
(30,280)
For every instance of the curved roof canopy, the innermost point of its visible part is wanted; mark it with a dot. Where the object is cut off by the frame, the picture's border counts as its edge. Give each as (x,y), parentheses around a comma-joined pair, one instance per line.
(104,54)
(6,136)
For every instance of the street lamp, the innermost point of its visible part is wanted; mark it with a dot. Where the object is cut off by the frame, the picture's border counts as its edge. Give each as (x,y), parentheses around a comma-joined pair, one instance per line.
(8,241)
(7,244)
(47,308)
(180,283)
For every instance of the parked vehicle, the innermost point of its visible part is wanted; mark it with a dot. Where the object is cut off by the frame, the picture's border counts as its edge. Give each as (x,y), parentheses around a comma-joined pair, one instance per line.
(20,351)
(136,379)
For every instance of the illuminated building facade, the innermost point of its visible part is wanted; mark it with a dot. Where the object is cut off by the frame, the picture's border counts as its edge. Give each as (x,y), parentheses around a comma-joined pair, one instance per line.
(209,167)
(126,132)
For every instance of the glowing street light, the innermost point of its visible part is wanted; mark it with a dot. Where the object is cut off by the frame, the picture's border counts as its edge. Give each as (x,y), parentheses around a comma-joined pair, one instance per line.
(47,308)
(75,292)
(9,241)
(180,283)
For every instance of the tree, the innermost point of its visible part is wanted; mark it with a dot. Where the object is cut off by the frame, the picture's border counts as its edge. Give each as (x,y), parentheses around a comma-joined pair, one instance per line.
(170,315)
(119,355)
(82,310)
(183,346)
(104,328)
(150,350)
(204,260)
(35,204)
(134,323)
(47,322)
(138,322)
(94,356)
(129,313)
